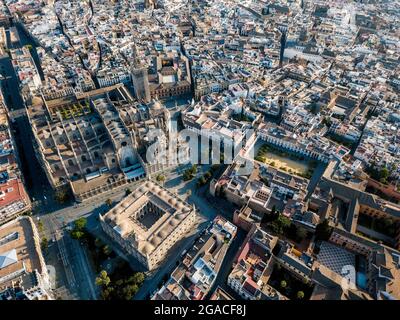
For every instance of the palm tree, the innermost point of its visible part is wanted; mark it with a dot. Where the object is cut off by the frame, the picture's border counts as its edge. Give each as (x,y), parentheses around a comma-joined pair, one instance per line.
(103,279)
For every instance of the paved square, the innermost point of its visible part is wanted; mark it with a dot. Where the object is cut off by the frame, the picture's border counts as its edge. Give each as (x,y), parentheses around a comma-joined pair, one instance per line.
(334,257)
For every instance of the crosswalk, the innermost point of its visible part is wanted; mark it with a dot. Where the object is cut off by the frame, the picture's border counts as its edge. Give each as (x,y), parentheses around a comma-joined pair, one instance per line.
(13,114)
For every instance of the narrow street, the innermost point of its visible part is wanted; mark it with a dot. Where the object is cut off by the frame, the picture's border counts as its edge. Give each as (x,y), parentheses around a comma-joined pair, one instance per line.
(87,275)
(34,177)
(227,264)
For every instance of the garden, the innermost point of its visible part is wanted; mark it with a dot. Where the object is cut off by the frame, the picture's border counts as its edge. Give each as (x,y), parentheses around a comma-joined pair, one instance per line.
(116,279)
(288,285)
(286,161)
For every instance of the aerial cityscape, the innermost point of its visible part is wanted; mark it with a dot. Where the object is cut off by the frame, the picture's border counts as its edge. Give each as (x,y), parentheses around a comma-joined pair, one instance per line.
(199,150)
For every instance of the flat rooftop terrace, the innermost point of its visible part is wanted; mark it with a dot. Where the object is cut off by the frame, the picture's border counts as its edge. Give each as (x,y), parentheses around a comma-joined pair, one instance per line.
(19,235)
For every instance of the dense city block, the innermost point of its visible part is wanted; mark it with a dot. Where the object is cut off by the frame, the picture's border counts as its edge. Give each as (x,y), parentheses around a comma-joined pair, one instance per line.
(199,150)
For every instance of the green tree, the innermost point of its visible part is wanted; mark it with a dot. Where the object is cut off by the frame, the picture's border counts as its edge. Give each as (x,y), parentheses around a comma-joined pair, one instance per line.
(80,223)
(323,231)
(77,234)
(107,250)
(103,280)
(129,291)
(271,216)
(284,221)
(283,284)
(45,243)
(98,243)
(301,233)
(108,202)
(202,181)
(281,224)
(61,196)
(385,173)
(300,295)
(260,158)
(187,175)
(106,293)
(40,226)
(137,278)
